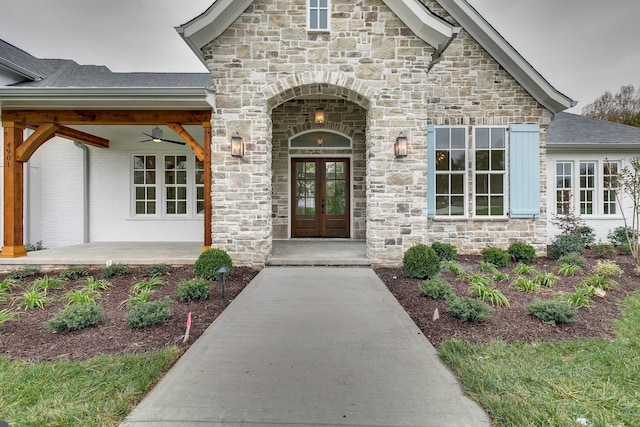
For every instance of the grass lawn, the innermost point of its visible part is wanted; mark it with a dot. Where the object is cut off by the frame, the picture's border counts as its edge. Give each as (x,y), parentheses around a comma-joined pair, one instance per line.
(97,392)
(563,383)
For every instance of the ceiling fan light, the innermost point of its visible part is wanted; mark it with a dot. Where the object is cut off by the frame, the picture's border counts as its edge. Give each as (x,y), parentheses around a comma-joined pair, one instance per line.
(156,134)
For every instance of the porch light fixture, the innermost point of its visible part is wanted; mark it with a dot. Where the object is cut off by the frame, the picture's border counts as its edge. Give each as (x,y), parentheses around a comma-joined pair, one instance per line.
(319,117)
(237,146)
(320,140)
(400,147)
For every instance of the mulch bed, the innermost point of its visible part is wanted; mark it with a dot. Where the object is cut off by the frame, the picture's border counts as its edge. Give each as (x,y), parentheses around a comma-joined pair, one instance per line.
(514,323)
(29,340)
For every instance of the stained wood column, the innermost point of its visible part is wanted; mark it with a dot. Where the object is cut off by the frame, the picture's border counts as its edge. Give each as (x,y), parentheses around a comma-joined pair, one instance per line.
(13,193)
(208,206)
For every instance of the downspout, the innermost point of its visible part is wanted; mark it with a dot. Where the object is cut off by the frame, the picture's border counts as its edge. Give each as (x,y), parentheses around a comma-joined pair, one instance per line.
(85,190)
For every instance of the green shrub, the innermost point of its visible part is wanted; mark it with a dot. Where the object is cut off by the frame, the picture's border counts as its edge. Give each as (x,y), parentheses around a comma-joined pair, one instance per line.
(24,272)
(76,316)
(469,309)
(488,267)
(618,236)
(601,282)
(114,270)
(581,297)
(496,256)
(603,250)
(521,252)
(484,290)
(436,288)
(573,258)
(545,278)
(210,261)
(522,268)
(148,313)
(445,251)
(586,235)
(33,298)
(81,295)
(554,311)
(158,270)
(420,261)
(74,273)
(564,244)
(189,290)
(607,269)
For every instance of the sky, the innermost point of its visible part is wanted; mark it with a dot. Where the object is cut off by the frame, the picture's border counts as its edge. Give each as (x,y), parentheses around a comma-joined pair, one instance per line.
(582,47)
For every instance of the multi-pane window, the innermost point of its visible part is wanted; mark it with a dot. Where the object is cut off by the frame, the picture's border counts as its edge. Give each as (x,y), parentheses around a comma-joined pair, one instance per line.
(451,171)
(175,183)
(564,184)
(490,171)
(610,172)
(318,15)
(144,184)
(167,185)
(587,187)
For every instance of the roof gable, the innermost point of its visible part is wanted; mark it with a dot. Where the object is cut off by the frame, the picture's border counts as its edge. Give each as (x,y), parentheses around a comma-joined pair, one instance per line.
(433,30)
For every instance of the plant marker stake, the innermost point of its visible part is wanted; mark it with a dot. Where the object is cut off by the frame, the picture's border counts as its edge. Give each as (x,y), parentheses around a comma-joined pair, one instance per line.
(436,314)
(186,334)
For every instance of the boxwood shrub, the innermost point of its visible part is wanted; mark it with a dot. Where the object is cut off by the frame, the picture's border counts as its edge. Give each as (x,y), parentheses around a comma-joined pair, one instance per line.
(496,256)
(436,288)
(445,251)
(210,261)
(469,309)
(420,261)
(553,311)
(521,252)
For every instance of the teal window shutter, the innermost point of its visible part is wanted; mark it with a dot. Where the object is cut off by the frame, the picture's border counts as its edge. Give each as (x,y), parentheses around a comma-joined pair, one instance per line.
(431,171)
(524,167)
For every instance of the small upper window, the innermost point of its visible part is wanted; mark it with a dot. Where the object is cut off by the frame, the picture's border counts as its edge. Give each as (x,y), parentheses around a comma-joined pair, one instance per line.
(318,15)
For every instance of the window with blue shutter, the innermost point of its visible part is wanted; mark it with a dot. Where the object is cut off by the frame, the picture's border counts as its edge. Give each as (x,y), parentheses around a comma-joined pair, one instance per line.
(524,167)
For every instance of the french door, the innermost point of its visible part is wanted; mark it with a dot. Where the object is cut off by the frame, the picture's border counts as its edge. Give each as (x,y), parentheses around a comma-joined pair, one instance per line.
(320,197)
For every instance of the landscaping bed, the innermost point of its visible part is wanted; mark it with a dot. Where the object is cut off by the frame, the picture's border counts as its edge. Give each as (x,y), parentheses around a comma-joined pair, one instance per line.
(28,338)
(513,323)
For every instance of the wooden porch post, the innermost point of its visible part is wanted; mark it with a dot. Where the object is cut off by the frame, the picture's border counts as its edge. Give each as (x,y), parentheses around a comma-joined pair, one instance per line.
(13,193)
(207,186)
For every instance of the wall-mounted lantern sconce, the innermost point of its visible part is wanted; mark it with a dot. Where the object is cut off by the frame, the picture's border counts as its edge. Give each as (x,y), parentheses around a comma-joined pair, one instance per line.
(319,117)
(400,147)
(320,140)
(237,146)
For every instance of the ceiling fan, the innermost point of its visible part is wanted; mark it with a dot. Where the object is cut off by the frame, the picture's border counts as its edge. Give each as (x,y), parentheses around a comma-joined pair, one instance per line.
(157,136)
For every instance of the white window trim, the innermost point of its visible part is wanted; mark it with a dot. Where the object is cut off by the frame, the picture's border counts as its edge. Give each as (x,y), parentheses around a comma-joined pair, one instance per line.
(505,174)
(318,30)
(465,179)
(596,191)
(161,187)
(600,181)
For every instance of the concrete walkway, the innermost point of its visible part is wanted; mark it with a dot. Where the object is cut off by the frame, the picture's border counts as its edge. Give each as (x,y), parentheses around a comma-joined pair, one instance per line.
(304,346)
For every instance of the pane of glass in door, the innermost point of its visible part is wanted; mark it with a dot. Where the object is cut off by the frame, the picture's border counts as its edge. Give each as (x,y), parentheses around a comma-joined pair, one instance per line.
(305,188)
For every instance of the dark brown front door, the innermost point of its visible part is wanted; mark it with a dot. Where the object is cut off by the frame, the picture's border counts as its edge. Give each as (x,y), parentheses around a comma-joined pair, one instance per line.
(320,202)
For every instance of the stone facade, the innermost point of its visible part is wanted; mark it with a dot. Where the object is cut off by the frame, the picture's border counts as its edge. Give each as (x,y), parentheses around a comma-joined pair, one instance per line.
(266,66)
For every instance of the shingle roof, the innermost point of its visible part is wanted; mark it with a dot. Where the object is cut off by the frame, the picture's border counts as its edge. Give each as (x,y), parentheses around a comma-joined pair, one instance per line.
(64,73)
(568,129)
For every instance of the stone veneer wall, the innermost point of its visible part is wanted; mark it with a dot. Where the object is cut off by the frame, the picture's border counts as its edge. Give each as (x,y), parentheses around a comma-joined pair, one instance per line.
(296,116)
(267,58)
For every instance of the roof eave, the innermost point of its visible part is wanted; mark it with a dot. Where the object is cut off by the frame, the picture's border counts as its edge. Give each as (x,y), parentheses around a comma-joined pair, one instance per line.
(509,58)
(430,28)
(594,146)
(208,26)
(106,98)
